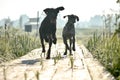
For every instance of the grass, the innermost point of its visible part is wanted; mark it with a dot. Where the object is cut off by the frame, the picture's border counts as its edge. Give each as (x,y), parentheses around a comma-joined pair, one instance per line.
(57,58)
(37,75)
(4,73)
(71,61)
(107,51)
(16,43)
(25,76)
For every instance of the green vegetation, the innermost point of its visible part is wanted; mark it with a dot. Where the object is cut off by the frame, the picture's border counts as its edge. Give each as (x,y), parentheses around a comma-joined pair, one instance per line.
(57,58)
(37,75)
(71,61)
(15,43)
(107,51)
(4,73)
(25,76)
(106,47)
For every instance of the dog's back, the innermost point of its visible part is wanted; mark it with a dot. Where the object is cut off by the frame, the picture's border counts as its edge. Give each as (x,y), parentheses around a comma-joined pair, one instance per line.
(69,30)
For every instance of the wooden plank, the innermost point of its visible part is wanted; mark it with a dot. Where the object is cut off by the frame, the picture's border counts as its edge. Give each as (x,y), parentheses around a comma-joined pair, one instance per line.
(84,67)
(96,70)
(65,72)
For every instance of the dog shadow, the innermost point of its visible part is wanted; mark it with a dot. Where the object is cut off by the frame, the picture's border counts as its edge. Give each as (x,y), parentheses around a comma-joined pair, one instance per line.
(30,62)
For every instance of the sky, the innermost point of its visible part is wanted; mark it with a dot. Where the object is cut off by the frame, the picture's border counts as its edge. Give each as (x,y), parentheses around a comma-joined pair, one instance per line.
(83,8)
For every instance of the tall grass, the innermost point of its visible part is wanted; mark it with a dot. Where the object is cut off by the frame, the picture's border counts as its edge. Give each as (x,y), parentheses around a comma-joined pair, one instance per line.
(107,51)
(15,43)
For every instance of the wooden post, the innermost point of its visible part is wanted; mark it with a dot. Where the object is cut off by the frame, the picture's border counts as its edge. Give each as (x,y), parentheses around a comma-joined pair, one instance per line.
(37,23)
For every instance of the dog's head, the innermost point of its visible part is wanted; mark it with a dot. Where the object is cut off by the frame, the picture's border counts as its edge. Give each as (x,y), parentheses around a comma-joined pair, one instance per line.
(52,12)
(72,18)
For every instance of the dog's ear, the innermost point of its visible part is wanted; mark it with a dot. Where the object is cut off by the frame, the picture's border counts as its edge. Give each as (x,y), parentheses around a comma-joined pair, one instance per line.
(46,10)
(65,16)
(76,17)
(60,8)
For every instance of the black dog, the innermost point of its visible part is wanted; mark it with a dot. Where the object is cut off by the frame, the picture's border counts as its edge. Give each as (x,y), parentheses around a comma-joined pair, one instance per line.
(47,29)
(69,33)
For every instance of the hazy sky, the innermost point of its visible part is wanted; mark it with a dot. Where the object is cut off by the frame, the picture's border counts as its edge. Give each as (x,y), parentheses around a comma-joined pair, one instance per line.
(83,8)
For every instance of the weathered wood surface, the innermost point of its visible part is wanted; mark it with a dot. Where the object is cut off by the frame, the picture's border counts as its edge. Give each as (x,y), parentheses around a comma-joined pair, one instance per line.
(84,67)
(96,70)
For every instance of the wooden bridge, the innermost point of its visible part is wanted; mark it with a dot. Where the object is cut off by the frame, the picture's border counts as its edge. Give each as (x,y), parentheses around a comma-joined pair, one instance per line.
(34,66)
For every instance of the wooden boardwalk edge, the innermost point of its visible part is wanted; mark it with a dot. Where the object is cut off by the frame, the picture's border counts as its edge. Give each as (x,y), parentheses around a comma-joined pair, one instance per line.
(96,70)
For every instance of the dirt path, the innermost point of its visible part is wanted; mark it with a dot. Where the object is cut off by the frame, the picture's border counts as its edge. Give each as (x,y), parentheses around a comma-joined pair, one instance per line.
(34,66)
